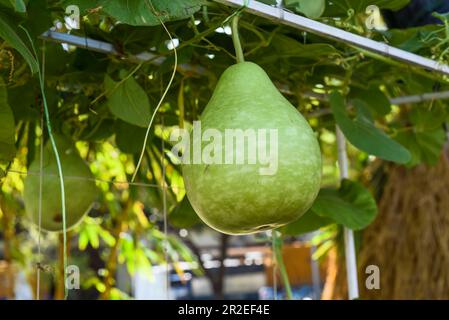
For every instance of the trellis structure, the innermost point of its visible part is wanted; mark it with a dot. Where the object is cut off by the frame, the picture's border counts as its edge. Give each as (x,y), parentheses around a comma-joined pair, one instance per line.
(282,16)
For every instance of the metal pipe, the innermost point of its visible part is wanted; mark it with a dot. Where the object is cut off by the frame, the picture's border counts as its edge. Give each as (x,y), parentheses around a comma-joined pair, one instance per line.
(299,22)
(418,98)
(108,48)
(80,42)
(351,261)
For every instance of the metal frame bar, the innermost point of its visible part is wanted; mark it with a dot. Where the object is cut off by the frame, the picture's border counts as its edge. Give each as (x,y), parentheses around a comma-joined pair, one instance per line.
(443,95)
(107,48)
(80,42)
(282,16)
(350,256)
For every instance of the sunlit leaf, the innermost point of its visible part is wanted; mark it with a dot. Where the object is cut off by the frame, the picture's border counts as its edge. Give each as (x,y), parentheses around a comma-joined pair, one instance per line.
(92,234)
(107,237)
(83,240)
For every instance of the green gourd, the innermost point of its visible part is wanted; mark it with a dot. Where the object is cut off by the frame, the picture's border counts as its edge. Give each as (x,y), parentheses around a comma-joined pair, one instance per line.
(80,189)
(236,198)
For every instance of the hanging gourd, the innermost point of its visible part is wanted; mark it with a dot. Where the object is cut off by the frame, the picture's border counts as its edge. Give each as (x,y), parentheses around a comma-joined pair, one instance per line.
(79,183)
(244,197)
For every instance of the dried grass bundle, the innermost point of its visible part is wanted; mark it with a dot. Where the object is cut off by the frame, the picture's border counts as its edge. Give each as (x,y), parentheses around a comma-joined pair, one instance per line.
(409,241)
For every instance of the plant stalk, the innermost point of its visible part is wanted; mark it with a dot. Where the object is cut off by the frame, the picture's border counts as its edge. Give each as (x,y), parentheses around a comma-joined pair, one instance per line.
(236,39)
(63,254)
(277,241)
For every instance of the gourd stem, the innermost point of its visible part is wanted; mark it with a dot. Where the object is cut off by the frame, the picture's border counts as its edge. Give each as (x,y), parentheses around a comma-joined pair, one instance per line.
(277,241)
(236,39)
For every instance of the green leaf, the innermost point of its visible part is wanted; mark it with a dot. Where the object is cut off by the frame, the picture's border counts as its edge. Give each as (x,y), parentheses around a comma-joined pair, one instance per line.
(19,5)
(128,101)
(183,216)
(140,13)
(7,127)
(411,39)
(22,99)
(429,118)
(425,146)
(284,47)
(152,255)
(92,234)
(83,240)
(106,236)
(8,34)
(362,133)
(427,137)
(374,98)
(39,20)
(309,222)
(313,9)
(129,138)
(341,7)
(351,205)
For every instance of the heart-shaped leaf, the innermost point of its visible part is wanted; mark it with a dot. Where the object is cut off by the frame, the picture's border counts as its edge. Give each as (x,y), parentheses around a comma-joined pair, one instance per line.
(309,222)
(351,205)
(128,101)
(425,146)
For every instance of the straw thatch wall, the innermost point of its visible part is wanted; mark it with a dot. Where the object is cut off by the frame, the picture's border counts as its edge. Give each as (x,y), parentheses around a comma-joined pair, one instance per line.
(409,241)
